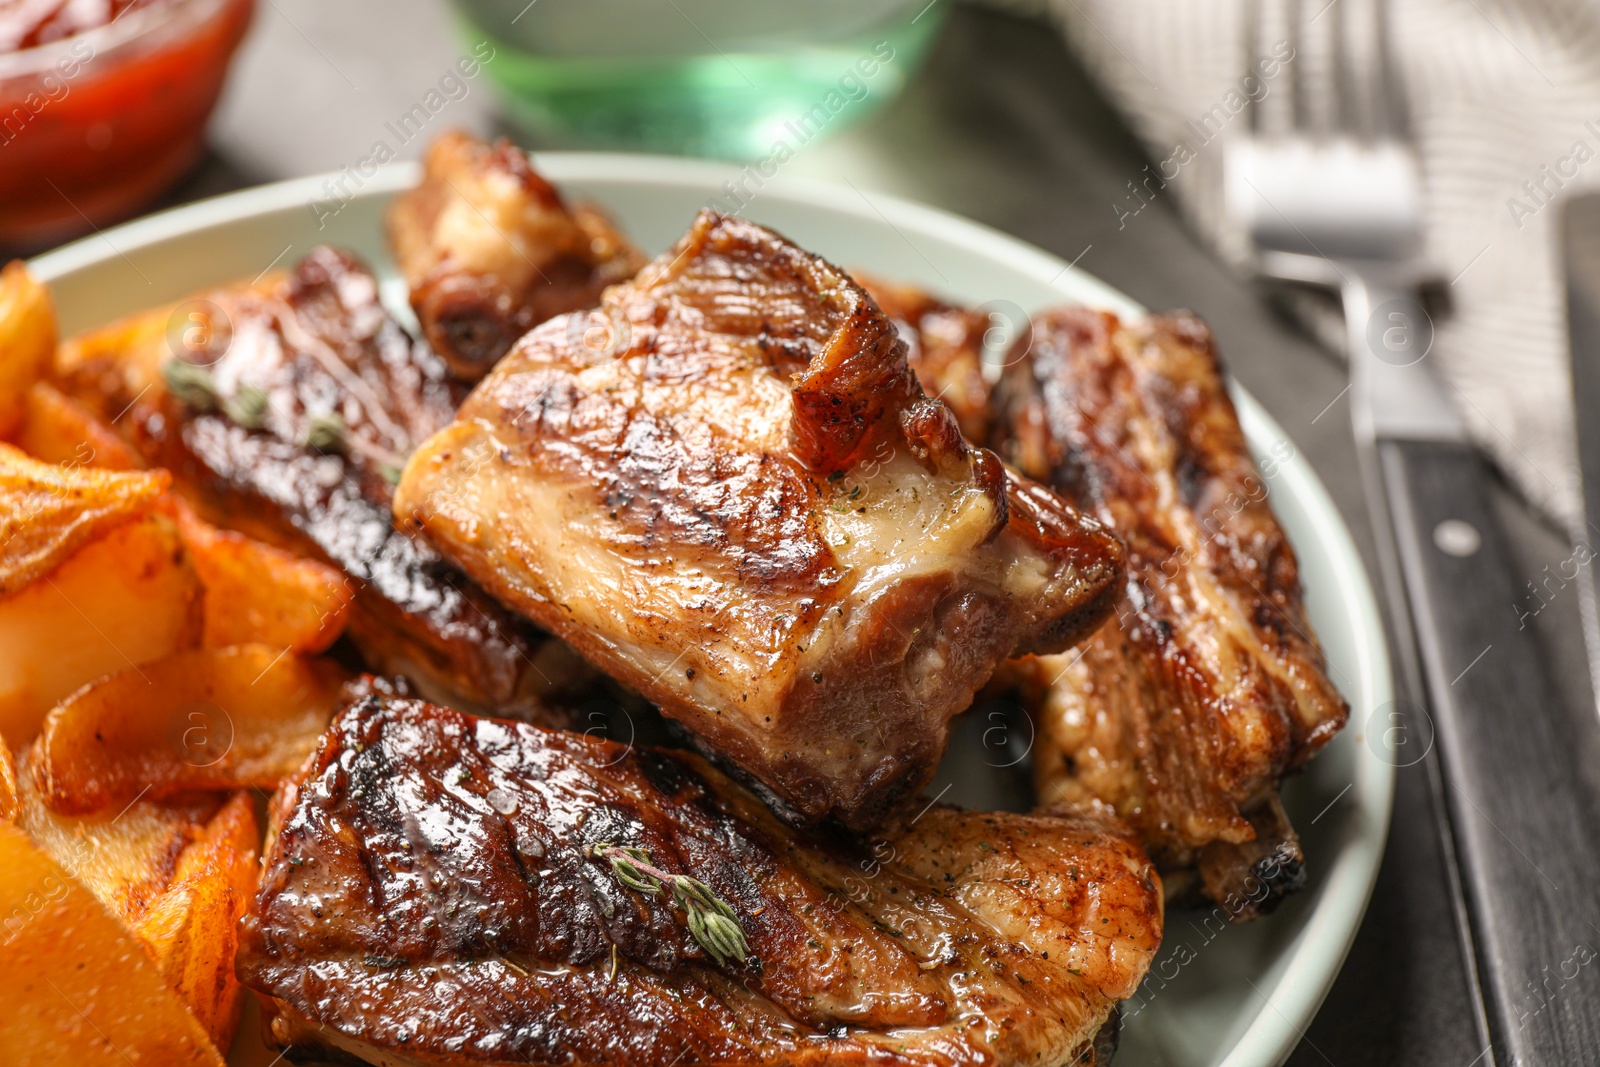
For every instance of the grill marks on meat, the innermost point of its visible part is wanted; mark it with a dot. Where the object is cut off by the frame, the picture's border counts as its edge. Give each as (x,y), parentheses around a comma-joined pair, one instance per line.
(319,343)
(728,491)
(490,250)
(432,897)
(1185,712)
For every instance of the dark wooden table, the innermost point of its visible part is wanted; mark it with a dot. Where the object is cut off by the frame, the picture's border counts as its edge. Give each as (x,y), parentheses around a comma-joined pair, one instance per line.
(1001,126)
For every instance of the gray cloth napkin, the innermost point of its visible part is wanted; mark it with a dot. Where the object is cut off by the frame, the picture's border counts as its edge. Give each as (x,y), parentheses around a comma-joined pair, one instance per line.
(1504,98)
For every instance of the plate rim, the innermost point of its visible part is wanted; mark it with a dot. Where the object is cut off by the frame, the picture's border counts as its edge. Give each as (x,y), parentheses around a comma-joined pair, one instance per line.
(1331,926)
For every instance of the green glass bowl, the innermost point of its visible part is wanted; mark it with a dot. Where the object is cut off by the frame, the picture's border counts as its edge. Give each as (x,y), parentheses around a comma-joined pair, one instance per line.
(748,81)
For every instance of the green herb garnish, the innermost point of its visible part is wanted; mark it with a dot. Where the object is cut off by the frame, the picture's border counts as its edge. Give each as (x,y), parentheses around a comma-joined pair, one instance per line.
(712,922)
(193,387)
(247,407)
(325,431)
(196,389)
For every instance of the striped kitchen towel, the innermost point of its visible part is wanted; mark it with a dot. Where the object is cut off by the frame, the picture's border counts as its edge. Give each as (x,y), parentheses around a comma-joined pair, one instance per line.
(1504,101)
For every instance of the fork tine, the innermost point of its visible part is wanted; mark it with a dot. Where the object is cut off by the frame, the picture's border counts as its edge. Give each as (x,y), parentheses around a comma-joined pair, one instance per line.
(1394,120)
(1252,36)
(1361,28)
(1268,23)
(1370,109)
(1346,110)
(1300,109)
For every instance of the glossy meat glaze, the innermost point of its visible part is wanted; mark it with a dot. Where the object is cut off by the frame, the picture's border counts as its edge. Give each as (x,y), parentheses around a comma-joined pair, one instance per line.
(490,250)
(326,358)
(432,895)
(945,348)
(1186,710)
(726,489)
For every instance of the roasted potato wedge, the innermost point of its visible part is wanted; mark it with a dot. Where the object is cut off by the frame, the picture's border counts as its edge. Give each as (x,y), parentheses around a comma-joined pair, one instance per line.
(177,873)
(254,591)
(225,718)
(27,340)
(58,429)
(80,987)
(125,856)
(126,599)
(130,350)
(48,512)
(189,928)
(8,782)
(258,592)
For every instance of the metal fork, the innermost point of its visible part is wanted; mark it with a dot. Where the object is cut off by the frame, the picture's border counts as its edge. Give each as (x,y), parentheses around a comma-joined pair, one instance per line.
(1331,196)
(1336,199)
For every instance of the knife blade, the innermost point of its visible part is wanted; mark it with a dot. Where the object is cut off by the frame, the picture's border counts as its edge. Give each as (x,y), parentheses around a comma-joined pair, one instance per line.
(1521,814)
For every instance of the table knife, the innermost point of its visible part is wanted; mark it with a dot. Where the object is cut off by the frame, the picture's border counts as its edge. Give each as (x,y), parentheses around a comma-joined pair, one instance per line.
(1524,821)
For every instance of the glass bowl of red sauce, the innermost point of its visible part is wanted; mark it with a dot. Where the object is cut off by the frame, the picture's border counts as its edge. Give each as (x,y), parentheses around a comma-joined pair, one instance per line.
(103,106)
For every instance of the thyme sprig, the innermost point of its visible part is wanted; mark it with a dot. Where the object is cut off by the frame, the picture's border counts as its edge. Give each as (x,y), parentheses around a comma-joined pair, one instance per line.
(193,387)
(196,388)
(326,431)
(247,407)
(712,922)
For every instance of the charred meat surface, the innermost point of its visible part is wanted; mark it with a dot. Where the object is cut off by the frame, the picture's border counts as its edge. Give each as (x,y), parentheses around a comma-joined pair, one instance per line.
(490,250)
(289,420)
(1186,710)
(944,345)
(438,892)
(745,508)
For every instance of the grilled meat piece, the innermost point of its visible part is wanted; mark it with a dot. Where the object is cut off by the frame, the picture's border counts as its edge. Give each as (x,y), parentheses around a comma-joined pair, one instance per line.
(944,346)
(747,510)
(433,895)
(490,250)
(315,355)
(1186,711)
(1249,878)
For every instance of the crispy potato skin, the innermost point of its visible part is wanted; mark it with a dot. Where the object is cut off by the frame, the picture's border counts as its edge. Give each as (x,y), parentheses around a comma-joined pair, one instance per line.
(253,591)
(176,874)
(256,592)
(226,718)
(191,928)
(122,358)
(126,858)
(128,598)
(27,340)
(58,429)
(8,782)
(80,988)
(49,511)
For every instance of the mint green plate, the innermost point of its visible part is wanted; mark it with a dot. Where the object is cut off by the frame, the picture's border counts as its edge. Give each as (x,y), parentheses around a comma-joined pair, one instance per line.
(1239,996)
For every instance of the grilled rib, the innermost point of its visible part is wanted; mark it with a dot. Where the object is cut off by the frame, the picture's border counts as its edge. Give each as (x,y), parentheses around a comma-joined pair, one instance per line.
(322,349)
(944,346)
(490,250)
(1185,712)
(743,506)
(432,895)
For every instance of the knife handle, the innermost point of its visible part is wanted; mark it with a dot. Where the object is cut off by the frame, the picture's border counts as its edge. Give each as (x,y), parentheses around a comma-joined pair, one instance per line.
(1525,822)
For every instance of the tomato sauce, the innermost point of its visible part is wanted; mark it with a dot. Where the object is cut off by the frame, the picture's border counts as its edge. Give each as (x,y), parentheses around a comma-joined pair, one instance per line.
(28,23)
(110,108)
